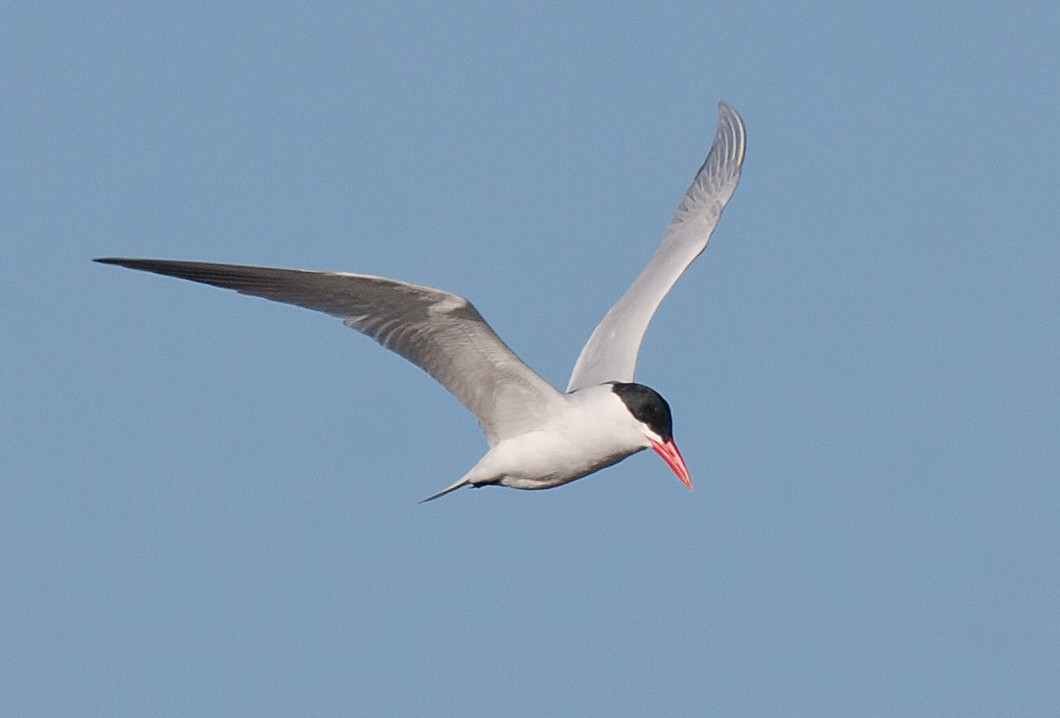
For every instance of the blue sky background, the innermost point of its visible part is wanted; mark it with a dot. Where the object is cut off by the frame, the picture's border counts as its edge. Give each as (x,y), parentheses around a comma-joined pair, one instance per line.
(208,502)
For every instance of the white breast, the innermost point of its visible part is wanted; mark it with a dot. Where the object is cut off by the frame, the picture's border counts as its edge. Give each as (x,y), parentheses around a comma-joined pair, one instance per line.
(592,431)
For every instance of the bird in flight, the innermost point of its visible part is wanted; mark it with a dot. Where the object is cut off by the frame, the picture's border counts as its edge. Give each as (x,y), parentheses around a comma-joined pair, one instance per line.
(538,436)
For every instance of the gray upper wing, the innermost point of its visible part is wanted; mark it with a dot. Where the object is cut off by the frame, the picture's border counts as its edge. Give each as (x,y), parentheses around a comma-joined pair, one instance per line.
(611,352)
(441,333)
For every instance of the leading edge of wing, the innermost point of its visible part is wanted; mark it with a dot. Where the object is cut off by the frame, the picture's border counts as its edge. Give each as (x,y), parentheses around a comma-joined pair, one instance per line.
(612,349)
(440,332)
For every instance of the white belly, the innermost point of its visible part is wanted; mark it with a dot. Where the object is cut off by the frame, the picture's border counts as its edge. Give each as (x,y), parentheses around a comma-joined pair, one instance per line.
(556,455)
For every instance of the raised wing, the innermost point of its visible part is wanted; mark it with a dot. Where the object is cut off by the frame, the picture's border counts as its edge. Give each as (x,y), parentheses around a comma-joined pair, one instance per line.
(439,332)
(611,352)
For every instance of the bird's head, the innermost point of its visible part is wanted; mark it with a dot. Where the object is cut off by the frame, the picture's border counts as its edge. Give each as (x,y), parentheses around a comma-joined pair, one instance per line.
(652,413)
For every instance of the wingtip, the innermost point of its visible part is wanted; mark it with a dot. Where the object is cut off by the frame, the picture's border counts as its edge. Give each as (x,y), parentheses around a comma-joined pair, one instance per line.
(731,128)
(118,261)
(728,113)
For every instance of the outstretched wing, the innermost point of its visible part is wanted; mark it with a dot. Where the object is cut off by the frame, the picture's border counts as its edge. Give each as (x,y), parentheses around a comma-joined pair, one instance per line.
(611,352)
(439,332)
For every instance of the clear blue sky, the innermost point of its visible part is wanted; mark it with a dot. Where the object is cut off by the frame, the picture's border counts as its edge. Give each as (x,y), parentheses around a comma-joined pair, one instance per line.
(208,502)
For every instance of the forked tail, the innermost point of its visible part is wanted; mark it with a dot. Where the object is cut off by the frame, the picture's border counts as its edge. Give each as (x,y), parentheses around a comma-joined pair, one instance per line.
(447,489)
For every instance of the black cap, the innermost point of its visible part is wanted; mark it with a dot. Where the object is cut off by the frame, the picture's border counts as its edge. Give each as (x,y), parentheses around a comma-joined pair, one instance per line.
(648,407)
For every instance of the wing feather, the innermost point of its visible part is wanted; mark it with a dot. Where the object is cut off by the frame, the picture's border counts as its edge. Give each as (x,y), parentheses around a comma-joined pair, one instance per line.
(440,332)
(611,352)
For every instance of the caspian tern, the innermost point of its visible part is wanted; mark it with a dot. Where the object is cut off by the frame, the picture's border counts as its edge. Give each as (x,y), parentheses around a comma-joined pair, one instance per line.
(538,437)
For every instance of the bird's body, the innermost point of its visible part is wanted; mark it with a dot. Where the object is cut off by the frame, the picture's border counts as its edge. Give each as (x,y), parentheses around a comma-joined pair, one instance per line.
(539,437)
(555,452)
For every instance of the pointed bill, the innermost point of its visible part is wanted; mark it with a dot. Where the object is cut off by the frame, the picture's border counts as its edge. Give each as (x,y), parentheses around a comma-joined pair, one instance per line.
(673,458)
